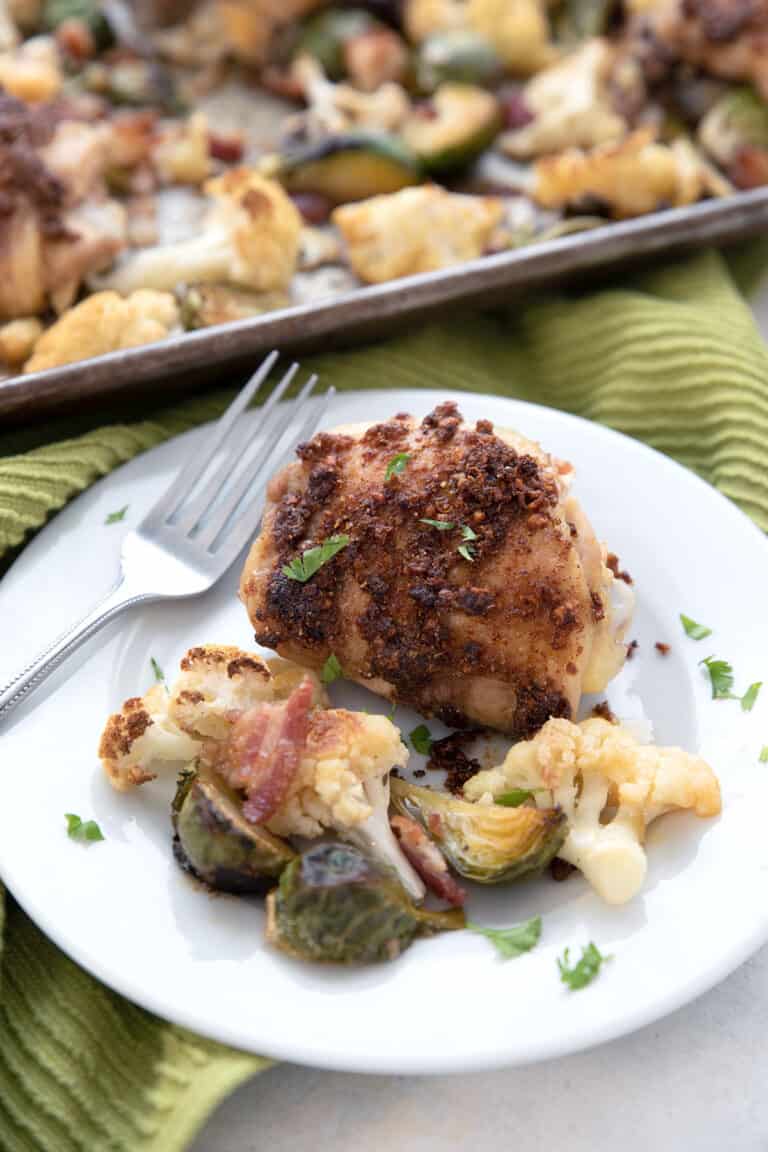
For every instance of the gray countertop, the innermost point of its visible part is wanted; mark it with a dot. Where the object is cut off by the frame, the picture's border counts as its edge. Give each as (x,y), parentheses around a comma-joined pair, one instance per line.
(694,1082)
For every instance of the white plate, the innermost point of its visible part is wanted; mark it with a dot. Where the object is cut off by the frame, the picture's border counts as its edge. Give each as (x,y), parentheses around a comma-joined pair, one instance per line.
(125,912)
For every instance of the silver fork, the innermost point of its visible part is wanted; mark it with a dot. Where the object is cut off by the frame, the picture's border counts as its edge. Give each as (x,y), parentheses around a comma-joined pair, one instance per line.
(198,528)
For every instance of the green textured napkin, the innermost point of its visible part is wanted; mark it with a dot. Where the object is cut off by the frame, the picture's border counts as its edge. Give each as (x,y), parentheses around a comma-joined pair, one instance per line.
(672,357)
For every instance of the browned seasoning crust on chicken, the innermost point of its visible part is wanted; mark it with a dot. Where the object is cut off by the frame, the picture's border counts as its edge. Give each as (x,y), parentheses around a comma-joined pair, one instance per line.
(399,606)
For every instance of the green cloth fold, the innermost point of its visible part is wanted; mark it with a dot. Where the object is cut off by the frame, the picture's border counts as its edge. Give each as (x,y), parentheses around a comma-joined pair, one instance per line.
(671,356)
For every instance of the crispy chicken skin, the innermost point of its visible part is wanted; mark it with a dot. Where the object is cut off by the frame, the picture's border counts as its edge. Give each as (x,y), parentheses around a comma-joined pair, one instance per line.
(506,640)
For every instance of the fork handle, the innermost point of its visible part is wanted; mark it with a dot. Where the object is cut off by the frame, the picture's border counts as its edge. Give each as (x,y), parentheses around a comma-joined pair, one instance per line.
(30,678)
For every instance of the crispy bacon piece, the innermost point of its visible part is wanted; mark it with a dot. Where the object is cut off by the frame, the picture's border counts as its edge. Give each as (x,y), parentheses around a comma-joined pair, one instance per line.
(428,860)
(264,750)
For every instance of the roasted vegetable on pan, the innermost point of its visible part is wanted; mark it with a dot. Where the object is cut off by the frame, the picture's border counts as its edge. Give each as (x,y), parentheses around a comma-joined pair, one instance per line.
(333,904)
(487,843)
(352,167)
(457,124)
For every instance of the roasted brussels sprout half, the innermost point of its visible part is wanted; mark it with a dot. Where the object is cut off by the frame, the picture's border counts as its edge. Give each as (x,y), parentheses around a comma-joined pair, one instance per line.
(204,305)
(213,840)
(457,57)
(350,167)
(88,12)
(335,905)
(458,124)
(324,35)
(735,133)
(487,843)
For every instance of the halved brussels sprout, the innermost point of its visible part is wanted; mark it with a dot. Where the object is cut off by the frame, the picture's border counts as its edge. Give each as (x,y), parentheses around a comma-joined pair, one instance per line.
(458,57)
(577,20)
(735,133)
(350,167)
(324,35)
(213,840)
(335,905)
(204,305)
(461,121)
(487,843)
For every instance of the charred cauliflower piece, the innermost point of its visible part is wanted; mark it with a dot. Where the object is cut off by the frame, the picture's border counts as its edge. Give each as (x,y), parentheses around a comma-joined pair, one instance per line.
(32,72)
(250,237)
(627,179)
(415,230)
(424,18)
(570,105)
(610,787)
(517,29)
(141,737)
(102,323)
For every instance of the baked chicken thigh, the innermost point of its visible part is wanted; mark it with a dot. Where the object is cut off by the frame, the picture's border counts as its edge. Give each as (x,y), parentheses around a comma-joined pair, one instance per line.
(457,574)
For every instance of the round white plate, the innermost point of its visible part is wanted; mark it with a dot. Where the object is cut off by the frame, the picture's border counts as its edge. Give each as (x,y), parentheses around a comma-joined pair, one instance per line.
(124,911)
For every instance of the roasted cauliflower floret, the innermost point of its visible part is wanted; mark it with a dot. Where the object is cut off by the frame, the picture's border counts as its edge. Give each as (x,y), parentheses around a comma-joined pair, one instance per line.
(610,787)
(102,323)
(571,105)
(17,339)
(415,230)
(218,681)
(31,72)
(517,29)
(250,25)
(141,737)
(424,18)
(338,108)
(629,179)
(182,154)
(251,237)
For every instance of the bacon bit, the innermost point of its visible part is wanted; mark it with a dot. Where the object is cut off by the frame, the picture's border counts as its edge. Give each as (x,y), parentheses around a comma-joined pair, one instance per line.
(75,39)
(662,649)
(227,149)
(282,83)
(428,860)
(514,109)
(264,749)
(750,168)
(313,206)
(632,647)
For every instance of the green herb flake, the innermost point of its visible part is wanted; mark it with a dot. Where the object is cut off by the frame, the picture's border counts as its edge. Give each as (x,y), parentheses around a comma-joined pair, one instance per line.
(694,630)
(468,533)
(303,567)
(585,970)
(77,829)
(763,757)
(750,696)
(396,466)
(116,517)
(331,670)
(421,738)
(157,670)
(467,551)
(516,796)
(513,941)
(441,525)
(720,677)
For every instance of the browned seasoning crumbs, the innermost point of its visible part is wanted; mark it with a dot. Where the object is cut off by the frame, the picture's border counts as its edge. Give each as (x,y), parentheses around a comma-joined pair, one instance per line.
(603,710)
(419,772)
(448,755)
(662,648)
(632,647)
(612,562)
(560,869)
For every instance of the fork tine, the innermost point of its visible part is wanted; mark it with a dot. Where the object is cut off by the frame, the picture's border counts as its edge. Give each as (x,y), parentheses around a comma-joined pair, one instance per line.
(242,442)
(236,534)
(254,467)
(199,461)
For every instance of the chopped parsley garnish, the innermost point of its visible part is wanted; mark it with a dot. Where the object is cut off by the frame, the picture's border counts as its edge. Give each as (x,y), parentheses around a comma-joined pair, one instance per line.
(303,567)
(763,757)
(159,674)
(441,525)
(720,677)
(585,970)
(78,829)
(331,670)
(694,630)
(115,517)
(516,796)
(421,738)
(513,941)
(396,465)
(466,550)
(749,697)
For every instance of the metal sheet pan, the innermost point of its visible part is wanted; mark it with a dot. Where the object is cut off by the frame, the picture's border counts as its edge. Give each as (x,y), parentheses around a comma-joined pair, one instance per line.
(214,354)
